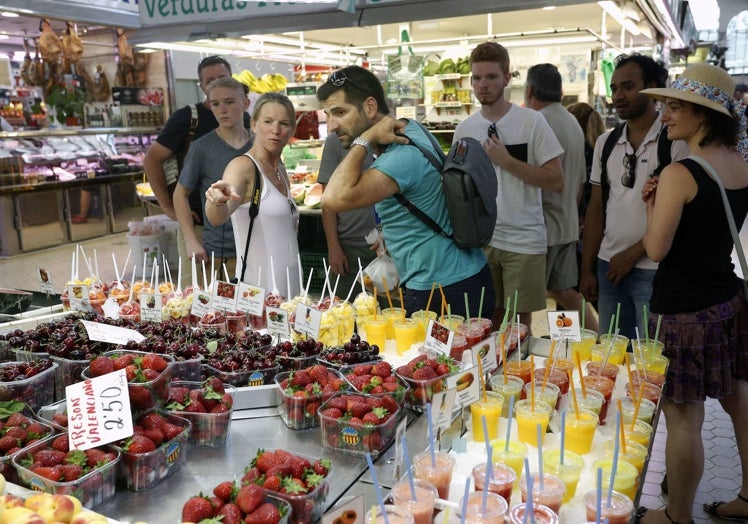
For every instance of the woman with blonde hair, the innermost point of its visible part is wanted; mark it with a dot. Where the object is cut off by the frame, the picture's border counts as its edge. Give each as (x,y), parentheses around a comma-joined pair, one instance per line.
(274,232)
(695,290)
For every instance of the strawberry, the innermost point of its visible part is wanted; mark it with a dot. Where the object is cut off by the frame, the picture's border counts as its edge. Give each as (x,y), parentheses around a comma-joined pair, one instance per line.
(250,497)
(266,514)
(150,374)
(71,472)
(371,418)
(52,473)
(221,408)
(140,397)
(123,362)
(272,483)
(171,431)
(35,430)
(101,366)
(196,509)
(230,514)
(49,457)
(318,373)
(293,486)
(300,378)
(214,383)
(155,434)
(225,490)
(139,444)
(332,413)
(178,394)
(17,432)
(357,408)
(61,419)
(381,369)
(152,420)
(195,406)
(7,443)
(338,402)
(264,460)
(424,373)
(17,419)
(96,457)
(362,369)
(321,466)
(442,369)
(154,362)
(61,443)
(253,475)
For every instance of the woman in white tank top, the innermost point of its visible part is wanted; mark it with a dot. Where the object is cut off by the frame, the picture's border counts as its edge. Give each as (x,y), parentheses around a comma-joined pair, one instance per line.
(274,232)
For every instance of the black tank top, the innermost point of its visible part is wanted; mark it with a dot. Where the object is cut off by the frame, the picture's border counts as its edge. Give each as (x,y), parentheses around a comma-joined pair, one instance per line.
(697,272)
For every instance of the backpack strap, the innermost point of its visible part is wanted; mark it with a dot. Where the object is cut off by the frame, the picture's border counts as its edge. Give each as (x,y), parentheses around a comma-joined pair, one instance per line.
(664,157)
(254,209)
(193,119)
(608,146)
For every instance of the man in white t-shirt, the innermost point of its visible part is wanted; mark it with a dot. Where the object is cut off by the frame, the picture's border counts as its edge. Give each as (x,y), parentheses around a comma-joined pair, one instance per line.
(613,230)
(526,156)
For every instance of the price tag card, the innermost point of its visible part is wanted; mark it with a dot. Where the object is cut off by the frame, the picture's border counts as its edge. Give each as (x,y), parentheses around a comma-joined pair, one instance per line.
(278,325)
(250,299)
(98,411)
(485,350)
(111,334)
(564,325)
(349,512)
(78,295)
(308,320)
(45,281)
(150,307)
(201,303)
(466,384)
(438,337)
(442,405)
(224,296)
(111,308)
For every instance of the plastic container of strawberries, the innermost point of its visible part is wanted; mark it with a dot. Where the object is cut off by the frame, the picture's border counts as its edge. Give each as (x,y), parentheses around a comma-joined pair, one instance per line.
(6,461)
(208,429)
(92,489)
(47,414)
(422,391)
(157,389)
(142,471)
(244,378)
(356,439)
(35,391)
(301,412)
(400,394)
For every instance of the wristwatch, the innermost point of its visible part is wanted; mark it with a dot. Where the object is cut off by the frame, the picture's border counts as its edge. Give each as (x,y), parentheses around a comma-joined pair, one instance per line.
(361,141)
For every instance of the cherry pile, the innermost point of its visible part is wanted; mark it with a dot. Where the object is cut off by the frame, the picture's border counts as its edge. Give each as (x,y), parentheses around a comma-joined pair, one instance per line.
(15,371)
(354,351)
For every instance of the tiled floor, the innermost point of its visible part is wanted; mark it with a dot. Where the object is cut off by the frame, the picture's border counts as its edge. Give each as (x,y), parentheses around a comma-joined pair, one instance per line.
(720,480)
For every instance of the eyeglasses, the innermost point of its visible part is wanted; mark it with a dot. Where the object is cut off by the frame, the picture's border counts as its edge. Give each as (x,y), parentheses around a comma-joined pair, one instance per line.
(492,131)
(629,176)
(339,78)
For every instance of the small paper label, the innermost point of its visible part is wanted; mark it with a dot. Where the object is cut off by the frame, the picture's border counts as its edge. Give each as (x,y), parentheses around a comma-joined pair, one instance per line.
(278,325)
(224,296)
(564,325)
(438,337)
(485,350)
(308,320)
(349,512)
(111,308)
(111,334)
(250,299)
(98,411)
(45,281)
(442,405)
(78,295)
(201,303)
(150,307)
(467,386)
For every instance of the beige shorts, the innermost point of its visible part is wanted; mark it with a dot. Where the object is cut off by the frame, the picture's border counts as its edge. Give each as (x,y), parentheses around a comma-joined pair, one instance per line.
(517,271)
(561,270)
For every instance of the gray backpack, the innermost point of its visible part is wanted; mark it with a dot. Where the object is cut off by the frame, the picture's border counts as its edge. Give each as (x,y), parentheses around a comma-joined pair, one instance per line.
(470,186)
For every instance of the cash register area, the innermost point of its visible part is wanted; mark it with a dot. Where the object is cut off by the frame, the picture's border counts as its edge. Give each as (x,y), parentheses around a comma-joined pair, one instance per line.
(718,483)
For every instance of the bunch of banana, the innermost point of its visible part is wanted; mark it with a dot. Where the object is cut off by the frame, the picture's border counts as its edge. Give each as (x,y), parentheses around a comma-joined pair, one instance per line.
(269,83)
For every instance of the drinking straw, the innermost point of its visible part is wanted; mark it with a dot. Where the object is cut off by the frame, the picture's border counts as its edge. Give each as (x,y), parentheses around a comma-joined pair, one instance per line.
(350,291)
(482,383)
(72,268)
(563,436)
(335,289)
(377,488)
(431,295)
(465,500)
(406,458)
(502,351)
(529,511)
(584,313)
(387,291)
(480,304)
(641,353)
(272,276)
(308,282)
(361,276)
(402,302)
(132,284)
(514,308)
(193,266)
(574,396)
(225,272)
(179,275)
(288,281)
(578,362)
(213,268)
(96,263)
(467,308)
(637,405)
(627,360)
(488,446)
(608,351)
(539,429)
(599,501)
(116,271)
(509,423)
(489,461)
(618,314)
(205,281)
(506,316)
(301,272)
(432,444)
(532,383)
(487,479)
(622,436)
(127,261)
(547,372)
(646,323)
(614,467)
(610,325)
(657,328)
(259,277)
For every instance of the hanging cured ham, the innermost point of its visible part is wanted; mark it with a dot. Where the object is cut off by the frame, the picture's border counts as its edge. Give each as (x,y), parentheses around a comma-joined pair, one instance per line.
(126,66)
(27,67)
(72,47)
(99,88)
(49,43)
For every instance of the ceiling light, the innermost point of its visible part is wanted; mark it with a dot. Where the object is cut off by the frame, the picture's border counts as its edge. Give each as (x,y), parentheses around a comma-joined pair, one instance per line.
(8,14)
(549,8)
(618,15)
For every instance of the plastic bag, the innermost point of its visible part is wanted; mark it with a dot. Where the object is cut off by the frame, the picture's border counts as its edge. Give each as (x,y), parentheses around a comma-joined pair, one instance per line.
(382,268)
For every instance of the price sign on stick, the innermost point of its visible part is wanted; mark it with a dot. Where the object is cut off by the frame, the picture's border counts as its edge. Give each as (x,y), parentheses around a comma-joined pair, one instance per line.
(78,296)
(442,405)
(98,411)
(45,281)
(224,296)
(111,334)
(150,307)
(466,384)
(485,350)
(278,325)
(201,303)
(250,299)
(564,325)
(308,320)
(438,337)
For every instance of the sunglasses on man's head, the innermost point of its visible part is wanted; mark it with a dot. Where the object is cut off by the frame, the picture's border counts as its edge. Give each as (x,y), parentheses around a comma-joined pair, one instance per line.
(628,179)
(339,78)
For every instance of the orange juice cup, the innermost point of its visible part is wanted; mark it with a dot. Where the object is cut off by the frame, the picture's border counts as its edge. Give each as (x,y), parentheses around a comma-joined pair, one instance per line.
(519,368)
(569,472)
(395,515)
(391,314)
(548,393)
(422,507)
(543,515)
(512,388)
(407,333)
(555,376)
(513,456)
(529,416)
(494,512)
(490,407)
(375,331)
(580,430)
(635,454)
(451,321)
(423,316)
(610,370)
(584,347)
(501,482)
(552,494)
(649,347)
(626,479)
(603,385)
(619,511)
(439,475)
(641,433)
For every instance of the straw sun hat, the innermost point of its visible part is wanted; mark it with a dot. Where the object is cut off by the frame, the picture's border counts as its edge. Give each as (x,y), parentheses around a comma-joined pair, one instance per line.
(702,84)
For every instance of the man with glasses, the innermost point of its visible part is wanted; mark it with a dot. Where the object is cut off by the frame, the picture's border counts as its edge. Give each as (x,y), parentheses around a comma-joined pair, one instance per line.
(613,230)
(356,109)
(527,158)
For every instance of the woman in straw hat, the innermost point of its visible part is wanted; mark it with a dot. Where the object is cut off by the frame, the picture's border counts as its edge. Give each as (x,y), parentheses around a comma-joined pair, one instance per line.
(701,300)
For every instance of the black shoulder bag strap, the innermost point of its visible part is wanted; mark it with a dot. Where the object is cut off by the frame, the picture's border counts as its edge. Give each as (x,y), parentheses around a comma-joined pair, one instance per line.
(664,156)
(410,206)
(608,146)
(254,208)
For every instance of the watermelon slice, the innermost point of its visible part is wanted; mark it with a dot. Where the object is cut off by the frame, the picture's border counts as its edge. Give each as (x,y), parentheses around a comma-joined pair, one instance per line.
(313,198)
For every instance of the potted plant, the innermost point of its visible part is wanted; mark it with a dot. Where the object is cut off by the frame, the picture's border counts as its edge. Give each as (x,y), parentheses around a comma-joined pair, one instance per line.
(68,103)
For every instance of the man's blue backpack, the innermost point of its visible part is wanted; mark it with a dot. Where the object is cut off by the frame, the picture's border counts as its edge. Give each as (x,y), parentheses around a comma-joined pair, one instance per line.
(470,186)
